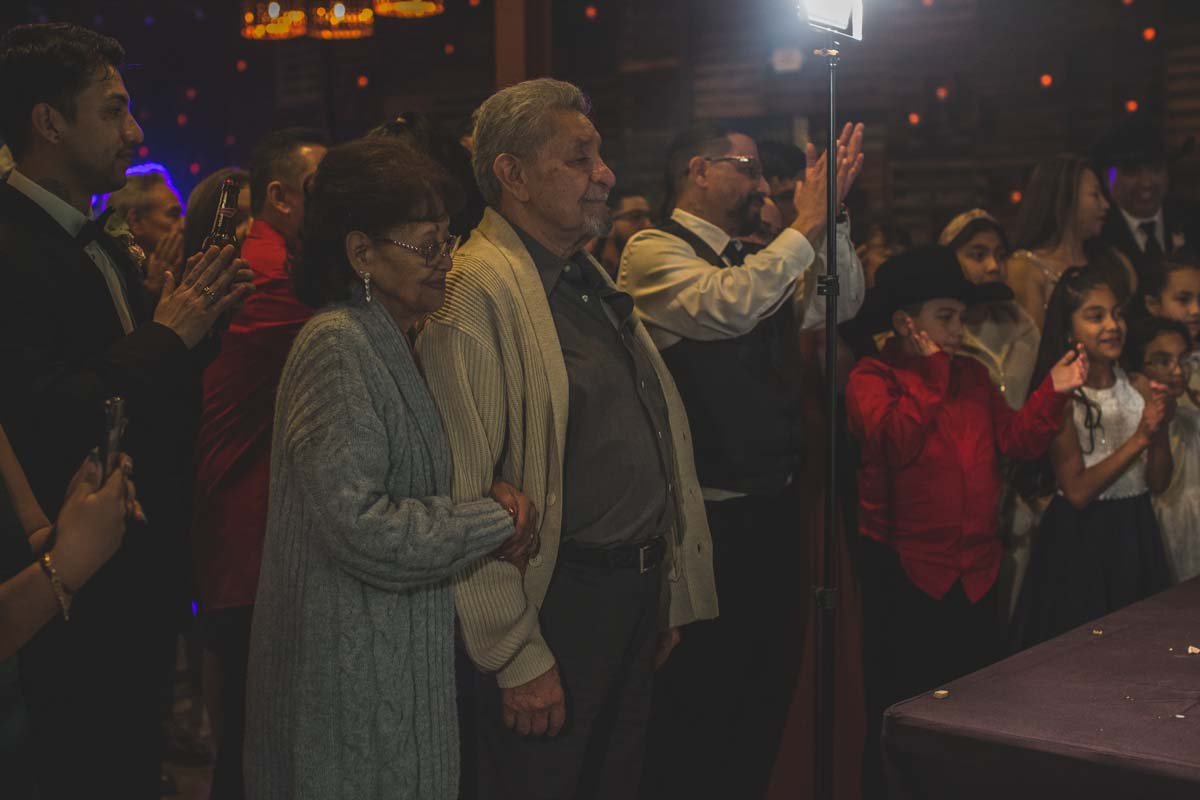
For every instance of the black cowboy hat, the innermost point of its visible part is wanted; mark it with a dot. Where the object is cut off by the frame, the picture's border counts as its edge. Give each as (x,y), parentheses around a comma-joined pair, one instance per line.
(916,276)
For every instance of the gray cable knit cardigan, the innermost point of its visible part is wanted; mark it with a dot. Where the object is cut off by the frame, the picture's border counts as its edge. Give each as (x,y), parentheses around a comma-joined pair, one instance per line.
(351,679)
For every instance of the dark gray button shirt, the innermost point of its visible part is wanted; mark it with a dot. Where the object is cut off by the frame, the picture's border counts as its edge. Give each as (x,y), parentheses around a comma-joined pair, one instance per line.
(617,477)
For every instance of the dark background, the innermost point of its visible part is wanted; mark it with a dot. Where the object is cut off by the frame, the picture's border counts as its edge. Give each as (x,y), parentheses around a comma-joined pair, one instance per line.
(652,66)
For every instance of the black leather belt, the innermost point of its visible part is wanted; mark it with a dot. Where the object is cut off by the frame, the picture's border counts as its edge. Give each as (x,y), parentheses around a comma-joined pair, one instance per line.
(642,557)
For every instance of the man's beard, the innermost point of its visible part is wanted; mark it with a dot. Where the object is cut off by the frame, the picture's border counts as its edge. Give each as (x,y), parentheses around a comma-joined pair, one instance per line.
(747,214)
(598,223)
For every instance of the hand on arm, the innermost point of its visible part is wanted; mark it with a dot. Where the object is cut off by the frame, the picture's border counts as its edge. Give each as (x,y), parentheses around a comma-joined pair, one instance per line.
(523,544)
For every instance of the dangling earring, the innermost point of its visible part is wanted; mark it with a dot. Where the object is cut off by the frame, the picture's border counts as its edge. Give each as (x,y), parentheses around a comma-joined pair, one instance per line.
(366,278)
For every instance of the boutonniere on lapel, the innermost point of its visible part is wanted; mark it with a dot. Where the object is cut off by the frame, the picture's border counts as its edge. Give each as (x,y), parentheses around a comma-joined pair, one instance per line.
(117,229)
(1178,241)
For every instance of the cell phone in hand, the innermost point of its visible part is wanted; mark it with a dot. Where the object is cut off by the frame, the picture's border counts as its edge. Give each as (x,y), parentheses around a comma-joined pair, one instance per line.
(114,428)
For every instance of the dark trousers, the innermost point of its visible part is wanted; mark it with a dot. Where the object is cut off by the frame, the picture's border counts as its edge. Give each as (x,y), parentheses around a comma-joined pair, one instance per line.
(226,634)
(913,643)
(721,702)
(98,708)
(602,626)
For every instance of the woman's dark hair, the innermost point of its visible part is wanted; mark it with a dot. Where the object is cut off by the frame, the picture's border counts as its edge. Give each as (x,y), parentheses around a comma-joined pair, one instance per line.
(202,206)
(422,133)
(1048,211)
(1036,479)
(1051,198)
(1145,331)
(367,185)
(976,227)
(48,63)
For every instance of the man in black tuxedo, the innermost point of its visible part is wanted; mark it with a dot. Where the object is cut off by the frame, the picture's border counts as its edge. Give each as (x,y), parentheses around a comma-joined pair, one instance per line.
(76,327)
(1144,224)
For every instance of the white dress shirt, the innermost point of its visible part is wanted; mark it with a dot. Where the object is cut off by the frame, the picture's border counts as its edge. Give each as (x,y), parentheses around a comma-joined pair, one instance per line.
(679,295)
(1139,235)
(72,221)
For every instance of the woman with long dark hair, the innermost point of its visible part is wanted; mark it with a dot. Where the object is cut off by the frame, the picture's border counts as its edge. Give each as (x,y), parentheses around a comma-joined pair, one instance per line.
(1098,547)
(1058,228)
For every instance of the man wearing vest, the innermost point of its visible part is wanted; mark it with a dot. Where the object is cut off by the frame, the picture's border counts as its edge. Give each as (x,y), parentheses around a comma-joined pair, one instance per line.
(722,319)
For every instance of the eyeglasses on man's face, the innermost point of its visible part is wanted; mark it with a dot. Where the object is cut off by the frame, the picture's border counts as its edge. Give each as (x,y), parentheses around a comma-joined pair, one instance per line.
(431,252)
(747,165)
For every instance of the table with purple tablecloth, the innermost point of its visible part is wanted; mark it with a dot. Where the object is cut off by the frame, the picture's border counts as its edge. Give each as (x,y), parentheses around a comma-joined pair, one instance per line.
(1111,709)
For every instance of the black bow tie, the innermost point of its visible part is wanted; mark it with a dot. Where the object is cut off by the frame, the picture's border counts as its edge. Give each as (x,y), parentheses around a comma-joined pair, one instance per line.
(93,229)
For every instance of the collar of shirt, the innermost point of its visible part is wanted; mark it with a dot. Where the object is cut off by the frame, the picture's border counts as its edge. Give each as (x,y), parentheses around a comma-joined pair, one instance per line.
(713,236)
(548,264)
(66,215)
(1135,224)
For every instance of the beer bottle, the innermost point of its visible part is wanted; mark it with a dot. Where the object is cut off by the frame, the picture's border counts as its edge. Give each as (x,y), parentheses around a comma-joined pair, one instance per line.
(222,232)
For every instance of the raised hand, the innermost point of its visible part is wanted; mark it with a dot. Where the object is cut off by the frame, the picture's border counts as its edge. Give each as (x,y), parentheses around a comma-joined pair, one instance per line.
(849,158)
(167,255)
(1155,411)
(811,197)
(214,282)
(810,194)
(1071,371)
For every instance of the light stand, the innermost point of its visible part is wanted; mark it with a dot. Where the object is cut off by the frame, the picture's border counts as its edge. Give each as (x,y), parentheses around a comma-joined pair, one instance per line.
(825,593)
(842,19)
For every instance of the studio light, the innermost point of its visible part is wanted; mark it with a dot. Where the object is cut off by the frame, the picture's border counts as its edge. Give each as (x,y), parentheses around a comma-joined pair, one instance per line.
(843,17)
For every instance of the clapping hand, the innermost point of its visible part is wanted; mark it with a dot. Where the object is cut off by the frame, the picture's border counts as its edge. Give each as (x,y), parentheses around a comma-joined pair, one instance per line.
(1071,370)
(812,194)
(215,282)
(167,255)
(1158,406)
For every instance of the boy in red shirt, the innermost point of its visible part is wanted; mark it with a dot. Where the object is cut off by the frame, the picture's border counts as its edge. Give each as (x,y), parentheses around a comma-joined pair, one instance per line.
(930,423)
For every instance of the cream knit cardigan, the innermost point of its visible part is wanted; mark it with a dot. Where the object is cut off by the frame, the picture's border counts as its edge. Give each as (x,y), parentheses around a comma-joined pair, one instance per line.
(495,369)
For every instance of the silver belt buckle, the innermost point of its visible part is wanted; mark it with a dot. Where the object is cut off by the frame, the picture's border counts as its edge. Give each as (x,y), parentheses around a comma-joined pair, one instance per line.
(642,568)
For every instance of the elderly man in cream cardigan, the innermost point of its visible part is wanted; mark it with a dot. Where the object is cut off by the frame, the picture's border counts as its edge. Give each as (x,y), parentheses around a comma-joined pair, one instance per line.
(544,377)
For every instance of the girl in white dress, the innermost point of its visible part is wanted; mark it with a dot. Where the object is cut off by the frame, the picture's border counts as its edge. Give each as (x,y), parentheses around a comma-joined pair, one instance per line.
(1098,547)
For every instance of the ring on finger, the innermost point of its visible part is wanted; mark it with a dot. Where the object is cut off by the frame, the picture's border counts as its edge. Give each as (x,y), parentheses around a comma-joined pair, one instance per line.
(210,294)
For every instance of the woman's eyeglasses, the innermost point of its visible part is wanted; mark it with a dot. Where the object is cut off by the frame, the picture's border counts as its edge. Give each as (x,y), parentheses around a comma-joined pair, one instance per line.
(432,252)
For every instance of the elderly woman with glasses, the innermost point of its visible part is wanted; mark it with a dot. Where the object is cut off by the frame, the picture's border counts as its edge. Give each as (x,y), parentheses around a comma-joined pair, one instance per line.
(351,681)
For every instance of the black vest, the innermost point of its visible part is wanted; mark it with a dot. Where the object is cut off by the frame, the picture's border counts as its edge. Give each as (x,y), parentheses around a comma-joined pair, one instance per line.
(745,417)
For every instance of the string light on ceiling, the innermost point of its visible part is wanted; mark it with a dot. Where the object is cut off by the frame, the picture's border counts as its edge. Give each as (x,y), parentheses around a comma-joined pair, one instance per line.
(276,20)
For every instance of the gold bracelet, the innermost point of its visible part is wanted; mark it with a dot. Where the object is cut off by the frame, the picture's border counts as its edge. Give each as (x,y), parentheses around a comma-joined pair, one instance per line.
(60,590)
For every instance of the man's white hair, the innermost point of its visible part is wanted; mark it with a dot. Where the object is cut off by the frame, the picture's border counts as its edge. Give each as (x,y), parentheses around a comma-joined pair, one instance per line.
(519,121)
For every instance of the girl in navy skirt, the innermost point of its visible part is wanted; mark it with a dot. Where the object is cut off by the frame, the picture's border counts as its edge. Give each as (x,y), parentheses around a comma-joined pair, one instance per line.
(1098,547)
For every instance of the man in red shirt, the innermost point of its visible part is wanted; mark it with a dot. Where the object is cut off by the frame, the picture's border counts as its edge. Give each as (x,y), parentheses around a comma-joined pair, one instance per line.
(930,423)
(233,448)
